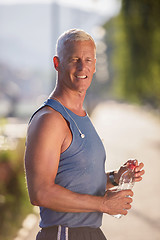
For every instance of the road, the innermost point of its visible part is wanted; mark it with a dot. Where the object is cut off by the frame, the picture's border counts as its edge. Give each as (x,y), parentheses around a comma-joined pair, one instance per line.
(129,131)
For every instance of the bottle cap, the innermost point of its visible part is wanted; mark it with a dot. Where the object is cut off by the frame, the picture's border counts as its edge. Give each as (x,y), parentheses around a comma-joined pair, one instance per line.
(132,166)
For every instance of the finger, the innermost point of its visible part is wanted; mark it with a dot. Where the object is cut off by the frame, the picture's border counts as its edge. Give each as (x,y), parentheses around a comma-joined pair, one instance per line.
(124,212)
(127,206)
(138,179)
(139,167)
(127,193)
(139,174)
(133,161)
(129,200)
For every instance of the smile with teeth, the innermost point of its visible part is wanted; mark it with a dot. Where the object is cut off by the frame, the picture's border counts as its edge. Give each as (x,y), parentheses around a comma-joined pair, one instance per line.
(81,77)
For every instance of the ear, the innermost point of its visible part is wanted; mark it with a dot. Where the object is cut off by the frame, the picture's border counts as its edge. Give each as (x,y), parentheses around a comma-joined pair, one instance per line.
(95,66)
(56,62)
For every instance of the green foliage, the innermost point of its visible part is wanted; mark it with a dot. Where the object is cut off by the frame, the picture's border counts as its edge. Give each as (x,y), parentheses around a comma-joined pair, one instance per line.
(134,36)
(14,202)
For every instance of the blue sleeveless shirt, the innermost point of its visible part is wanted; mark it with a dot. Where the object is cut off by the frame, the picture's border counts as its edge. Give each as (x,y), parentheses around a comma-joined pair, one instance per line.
(81,170)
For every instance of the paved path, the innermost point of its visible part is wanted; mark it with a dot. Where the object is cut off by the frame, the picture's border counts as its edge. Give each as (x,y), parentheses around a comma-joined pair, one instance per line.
(129,131)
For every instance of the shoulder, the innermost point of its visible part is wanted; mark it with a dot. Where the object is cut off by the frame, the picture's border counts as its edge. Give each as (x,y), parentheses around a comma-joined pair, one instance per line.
(47,119)
(49,115)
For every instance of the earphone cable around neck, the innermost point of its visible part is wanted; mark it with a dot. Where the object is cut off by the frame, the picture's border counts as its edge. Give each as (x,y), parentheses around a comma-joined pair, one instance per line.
(81,134)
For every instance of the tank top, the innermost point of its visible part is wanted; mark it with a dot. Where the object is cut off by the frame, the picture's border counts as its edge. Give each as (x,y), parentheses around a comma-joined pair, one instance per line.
(81,169)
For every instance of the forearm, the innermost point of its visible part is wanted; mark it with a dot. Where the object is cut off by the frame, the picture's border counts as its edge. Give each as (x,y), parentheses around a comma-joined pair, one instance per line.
(61,199)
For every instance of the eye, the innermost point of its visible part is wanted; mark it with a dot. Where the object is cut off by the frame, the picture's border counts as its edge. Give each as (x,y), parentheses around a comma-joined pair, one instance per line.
(74,60)
(88,60)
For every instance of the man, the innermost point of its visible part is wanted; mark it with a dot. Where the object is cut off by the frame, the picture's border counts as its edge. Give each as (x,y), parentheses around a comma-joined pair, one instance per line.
(65,157)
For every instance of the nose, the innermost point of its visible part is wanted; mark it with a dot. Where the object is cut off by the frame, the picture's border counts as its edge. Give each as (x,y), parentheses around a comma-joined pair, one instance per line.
(80,65)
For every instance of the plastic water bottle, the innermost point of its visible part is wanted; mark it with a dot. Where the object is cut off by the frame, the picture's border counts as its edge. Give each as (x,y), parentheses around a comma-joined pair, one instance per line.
(126,181)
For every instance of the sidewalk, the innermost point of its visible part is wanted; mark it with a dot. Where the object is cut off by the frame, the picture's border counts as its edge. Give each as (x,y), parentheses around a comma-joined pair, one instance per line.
(130,132)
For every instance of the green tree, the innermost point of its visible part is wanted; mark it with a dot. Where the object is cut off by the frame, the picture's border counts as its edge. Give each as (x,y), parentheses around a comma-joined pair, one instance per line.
(134,38)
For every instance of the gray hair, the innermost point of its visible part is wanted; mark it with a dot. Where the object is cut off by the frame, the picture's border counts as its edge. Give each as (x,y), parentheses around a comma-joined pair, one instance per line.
(72,35)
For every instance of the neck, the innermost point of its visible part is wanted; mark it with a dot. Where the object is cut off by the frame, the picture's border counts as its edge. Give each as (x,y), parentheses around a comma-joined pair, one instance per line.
(70,99)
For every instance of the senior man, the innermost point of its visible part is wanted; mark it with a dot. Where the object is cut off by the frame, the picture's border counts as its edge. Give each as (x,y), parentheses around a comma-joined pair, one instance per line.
(65,158)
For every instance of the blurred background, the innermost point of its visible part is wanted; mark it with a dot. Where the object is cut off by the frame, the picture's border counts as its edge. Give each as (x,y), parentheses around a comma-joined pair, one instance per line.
(123,100)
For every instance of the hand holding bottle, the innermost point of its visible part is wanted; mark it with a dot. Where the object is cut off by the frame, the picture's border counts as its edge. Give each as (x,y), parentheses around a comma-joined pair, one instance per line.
(117,202)
(138,171)
(129,173)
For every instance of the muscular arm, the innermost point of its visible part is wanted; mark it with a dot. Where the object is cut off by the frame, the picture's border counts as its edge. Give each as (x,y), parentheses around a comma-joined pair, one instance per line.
(47,137)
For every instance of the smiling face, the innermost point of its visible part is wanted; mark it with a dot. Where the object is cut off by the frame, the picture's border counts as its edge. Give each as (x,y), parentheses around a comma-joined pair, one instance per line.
(76,68)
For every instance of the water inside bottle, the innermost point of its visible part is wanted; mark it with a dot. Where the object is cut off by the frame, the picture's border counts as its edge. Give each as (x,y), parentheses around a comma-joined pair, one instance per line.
(123,186)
